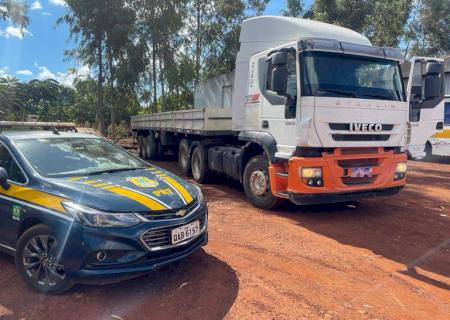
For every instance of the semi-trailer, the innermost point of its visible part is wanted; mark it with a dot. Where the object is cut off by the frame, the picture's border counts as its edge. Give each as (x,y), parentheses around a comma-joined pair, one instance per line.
(312,113)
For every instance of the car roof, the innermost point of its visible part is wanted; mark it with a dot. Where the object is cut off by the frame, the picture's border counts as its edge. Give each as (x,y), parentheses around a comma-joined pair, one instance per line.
(20,135)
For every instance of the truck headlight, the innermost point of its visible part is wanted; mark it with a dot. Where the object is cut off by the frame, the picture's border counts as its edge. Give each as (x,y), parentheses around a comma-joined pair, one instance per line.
(400,171)
(311,176)
(98,219)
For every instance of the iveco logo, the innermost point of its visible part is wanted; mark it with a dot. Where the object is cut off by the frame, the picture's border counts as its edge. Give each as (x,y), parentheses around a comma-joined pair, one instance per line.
(366,127)
(181,213)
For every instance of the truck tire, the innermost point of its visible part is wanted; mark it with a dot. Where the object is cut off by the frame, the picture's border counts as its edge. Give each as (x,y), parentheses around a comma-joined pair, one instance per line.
(140,144)
(199,164)
(38,250)
(159,154)
(257,184)
(184,160)
(151,146)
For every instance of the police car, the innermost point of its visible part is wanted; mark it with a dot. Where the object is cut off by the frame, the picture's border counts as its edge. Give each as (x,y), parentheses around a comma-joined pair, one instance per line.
(75,208)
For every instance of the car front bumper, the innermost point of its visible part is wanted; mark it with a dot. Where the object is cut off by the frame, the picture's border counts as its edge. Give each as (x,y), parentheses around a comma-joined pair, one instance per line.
(127,255)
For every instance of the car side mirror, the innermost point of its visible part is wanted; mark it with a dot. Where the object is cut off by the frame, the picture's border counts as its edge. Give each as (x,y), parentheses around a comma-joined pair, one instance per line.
(279,80)
(4,179)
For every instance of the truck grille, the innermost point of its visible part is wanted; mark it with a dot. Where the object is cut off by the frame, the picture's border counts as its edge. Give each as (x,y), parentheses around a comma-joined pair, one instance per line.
(360,137)
(346,126)
(171,213)
(159,239)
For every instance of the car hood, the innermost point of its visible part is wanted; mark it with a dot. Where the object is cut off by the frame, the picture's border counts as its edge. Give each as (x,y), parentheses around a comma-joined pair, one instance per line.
(142,190)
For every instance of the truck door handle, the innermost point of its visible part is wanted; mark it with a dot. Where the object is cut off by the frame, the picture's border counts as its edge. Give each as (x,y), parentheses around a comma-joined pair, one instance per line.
(265,124)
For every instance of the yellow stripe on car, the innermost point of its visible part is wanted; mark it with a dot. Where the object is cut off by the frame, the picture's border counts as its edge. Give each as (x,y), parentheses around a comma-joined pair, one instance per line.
(35,197)
(178,187)
(146,201)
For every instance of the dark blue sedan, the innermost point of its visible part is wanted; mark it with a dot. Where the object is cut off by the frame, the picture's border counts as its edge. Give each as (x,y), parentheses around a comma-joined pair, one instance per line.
(75,208)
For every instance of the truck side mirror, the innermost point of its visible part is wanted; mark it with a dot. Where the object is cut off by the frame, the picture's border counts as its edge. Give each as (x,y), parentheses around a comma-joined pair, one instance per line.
(279,59)
(4,179)
(433,80)
(279,80)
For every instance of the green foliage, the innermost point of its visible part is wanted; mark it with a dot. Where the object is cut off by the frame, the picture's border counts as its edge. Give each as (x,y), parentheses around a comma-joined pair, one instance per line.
(430,28)
(16,10)
(294,8)
(382,21)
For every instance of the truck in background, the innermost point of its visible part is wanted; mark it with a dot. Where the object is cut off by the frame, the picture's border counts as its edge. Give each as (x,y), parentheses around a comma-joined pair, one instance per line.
(313,113)
(439,143)
(424,80)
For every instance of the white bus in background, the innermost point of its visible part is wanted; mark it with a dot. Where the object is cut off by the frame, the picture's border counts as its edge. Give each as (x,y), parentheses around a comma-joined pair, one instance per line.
(439,144)
(424,81)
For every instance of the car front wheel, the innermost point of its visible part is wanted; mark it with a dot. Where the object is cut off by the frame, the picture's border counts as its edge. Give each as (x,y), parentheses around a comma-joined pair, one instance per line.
(38,261)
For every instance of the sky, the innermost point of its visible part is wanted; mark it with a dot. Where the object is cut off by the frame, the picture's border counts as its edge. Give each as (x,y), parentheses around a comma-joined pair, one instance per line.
(38,51)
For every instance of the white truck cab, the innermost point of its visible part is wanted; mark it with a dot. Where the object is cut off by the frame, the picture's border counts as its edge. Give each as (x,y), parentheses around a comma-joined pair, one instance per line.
(317,115)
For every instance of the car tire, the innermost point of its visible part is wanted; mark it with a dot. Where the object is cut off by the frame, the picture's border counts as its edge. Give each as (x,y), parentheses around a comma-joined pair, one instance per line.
(151,146)
(36,260)
(257,184)
(184,160)
(199,164)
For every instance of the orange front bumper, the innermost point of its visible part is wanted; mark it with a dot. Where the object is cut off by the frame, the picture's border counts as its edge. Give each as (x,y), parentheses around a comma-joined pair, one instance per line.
(337,181)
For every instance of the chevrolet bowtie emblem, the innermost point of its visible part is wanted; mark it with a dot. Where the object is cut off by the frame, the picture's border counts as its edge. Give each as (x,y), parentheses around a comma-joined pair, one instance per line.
(181,213)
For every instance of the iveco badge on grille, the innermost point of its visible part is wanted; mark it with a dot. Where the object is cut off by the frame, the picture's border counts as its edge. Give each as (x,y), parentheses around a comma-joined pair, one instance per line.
(366,127)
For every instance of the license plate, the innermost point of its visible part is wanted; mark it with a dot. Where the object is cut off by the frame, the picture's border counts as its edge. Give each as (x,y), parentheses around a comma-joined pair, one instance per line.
(361,172)
(185,232)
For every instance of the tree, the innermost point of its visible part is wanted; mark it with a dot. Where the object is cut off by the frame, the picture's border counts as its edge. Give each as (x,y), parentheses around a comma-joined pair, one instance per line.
(429,31)
(16,10)
(294,8)
(382,21)
(87,22)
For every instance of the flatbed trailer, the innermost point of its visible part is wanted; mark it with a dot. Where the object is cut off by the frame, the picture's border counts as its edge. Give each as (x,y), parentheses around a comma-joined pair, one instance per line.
(206,122)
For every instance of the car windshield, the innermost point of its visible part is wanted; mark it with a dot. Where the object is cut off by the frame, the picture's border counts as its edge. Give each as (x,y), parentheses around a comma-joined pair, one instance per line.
(326,74)
(63,157)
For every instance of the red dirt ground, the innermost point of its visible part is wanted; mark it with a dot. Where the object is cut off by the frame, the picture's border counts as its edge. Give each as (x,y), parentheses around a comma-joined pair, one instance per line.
(387,258)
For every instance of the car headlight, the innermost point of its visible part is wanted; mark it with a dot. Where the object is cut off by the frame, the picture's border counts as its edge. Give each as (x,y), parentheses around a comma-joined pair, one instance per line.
(200,197)
(94,218)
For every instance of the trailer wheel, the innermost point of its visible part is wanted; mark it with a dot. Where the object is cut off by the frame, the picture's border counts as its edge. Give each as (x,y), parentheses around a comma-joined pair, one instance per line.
(159,154)
(183,157)
(199,164)
(150,146)
(257,184)
(140,143)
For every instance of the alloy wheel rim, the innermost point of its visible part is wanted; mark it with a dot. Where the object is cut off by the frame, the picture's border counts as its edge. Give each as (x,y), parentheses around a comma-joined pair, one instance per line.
(41,263)
(258,183)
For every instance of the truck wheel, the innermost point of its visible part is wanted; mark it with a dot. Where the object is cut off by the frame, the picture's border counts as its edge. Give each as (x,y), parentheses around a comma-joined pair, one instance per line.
(199,164)
(159,150)
(140,143)
(257,184)
(151,146)
(37,260)
(183,157)
(428,151)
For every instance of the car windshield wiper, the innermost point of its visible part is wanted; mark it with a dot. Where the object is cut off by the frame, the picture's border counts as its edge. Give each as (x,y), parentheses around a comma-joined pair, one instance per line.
(377,96)
(343,93)
(113,170)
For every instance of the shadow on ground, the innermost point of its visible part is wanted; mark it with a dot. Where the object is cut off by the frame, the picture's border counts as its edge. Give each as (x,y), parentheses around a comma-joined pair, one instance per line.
(200,287)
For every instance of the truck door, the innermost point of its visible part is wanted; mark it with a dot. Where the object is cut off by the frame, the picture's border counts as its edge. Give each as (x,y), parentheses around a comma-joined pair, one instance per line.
(279,110)
(10,211)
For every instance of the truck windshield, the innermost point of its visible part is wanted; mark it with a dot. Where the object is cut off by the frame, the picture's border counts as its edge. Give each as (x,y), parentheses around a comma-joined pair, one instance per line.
(63,157)
(326,74)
